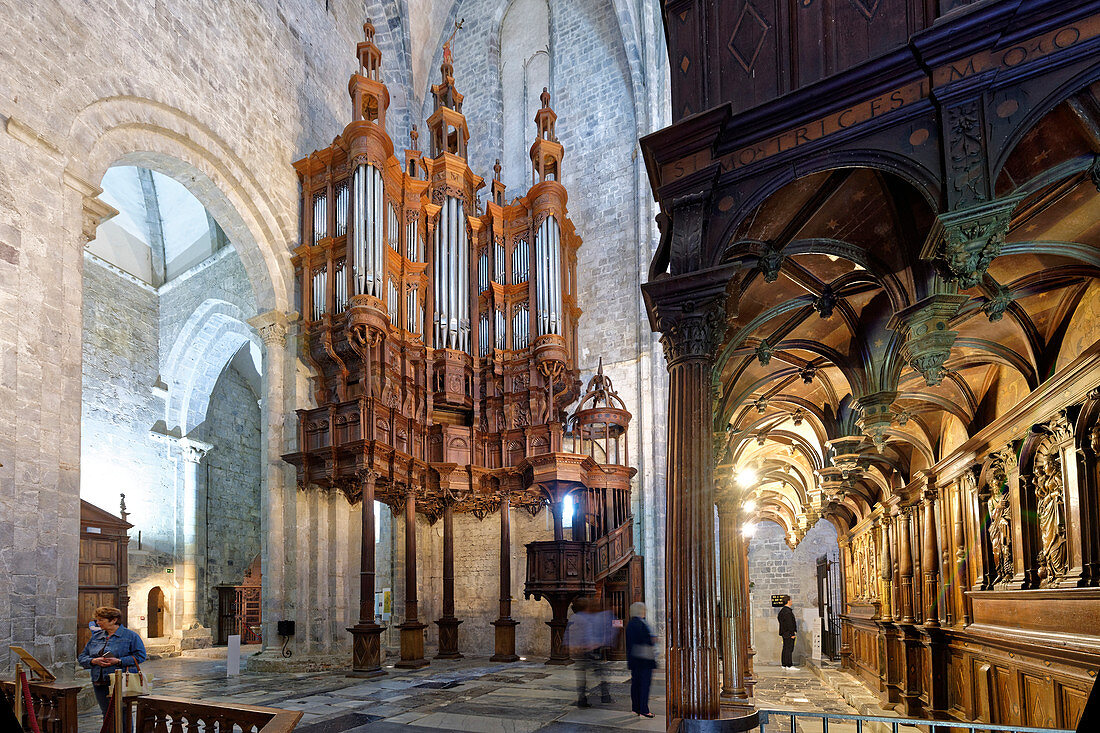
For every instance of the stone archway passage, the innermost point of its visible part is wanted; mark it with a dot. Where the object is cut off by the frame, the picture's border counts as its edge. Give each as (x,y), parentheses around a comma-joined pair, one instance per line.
(155,613)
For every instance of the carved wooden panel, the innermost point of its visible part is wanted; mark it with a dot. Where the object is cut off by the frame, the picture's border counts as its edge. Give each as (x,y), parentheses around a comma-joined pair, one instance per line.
(1038,701)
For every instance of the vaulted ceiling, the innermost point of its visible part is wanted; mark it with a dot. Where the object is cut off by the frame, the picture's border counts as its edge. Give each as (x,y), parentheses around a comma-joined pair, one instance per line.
(825,409)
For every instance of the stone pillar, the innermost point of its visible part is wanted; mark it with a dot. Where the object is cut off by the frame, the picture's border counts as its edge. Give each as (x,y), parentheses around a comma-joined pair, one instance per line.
(448,624)
(412,631)
(930,559)
(191,546)
(366,635)
(506,625)
(905,566)
(734,606)
(278,488)
(692,679)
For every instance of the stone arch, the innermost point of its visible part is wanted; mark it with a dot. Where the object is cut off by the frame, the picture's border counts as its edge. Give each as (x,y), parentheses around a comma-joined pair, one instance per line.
(213,333)
(125,130)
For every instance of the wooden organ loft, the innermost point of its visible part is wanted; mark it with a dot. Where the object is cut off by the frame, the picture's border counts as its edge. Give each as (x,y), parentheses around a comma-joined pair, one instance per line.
(442,337)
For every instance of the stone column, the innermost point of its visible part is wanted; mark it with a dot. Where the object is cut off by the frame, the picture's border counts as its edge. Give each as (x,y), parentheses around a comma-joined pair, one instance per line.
(448,624)
(506,625)
(191,547)
(412,631)
(278,486)
(734,605)
(692,679)
(366,641)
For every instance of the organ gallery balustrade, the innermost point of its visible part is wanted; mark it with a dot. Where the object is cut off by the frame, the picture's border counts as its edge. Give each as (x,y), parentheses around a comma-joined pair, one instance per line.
(441,333)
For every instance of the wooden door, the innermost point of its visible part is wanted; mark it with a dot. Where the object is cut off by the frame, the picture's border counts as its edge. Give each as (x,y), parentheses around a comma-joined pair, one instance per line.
(101,571)
(155,613)
(87,602)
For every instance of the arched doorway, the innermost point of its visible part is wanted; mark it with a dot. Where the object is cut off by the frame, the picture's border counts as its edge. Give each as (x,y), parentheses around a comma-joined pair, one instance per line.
(155,613)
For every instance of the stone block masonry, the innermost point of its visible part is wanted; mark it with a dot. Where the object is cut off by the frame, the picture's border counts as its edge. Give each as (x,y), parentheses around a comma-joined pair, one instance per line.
(775,568)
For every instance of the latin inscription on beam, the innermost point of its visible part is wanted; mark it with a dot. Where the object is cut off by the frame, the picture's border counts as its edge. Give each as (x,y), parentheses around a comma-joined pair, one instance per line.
(895,99)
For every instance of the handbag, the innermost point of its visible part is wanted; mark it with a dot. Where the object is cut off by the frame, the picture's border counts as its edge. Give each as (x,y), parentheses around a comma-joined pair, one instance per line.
(133,683)
(645,651)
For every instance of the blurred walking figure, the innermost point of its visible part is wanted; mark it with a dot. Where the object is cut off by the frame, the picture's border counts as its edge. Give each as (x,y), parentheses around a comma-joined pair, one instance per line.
(641,659)
(588,633)
(787,629)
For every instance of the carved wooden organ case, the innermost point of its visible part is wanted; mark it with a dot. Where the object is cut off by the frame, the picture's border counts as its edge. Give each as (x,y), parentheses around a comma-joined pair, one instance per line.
(441,333)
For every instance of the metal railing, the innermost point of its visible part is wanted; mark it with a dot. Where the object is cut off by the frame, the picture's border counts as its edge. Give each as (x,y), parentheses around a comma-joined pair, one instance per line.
(776,721)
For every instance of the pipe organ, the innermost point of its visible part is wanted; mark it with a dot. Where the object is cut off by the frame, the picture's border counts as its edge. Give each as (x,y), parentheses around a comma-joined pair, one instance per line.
(444,364)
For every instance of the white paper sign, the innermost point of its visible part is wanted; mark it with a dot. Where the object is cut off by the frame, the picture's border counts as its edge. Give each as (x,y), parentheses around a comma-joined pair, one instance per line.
(233,656)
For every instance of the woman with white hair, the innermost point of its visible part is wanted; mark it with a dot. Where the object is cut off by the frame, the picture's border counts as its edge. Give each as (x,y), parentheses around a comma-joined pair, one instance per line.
(641,659)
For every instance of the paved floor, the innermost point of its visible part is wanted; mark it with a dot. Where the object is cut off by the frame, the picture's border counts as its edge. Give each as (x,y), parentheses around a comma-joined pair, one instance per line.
(464,695)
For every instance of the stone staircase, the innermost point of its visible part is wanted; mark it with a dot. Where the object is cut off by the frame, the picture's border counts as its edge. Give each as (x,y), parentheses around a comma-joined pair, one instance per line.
(856,694)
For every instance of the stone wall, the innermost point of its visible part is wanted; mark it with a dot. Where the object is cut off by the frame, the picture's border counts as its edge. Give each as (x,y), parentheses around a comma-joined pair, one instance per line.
(222,97)
(774,568)
(232,486)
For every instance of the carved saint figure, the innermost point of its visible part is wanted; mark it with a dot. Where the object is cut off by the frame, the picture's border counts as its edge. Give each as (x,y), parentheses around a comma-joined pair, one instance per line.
(1000,534)
(1052,516)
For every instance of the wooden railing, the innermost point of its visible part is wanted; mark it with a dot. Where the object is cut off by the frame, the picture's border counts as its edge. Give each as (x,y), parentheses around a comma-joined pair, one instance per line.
(54,704)
(615,549)
(155,714)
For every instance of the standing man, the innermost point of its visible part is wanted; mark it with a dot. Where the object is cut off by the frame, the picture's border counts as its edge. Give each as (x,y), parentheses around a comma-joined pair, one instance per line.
(787,629)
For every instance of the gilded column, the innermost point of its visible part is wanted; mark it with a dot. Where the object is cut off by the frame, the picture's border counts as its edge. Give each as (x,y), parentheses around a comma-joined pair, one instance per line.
(692,681)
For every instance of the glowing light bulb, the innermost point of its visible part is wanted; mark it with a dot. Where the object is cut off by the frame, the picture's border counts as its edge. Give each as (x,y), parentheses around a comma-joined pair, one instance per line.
(746,477)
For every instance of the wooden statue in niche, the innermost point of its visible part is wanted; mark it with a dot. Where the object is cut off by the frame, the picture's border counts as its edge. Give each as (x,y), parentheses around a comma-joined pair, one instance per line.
(1050,502)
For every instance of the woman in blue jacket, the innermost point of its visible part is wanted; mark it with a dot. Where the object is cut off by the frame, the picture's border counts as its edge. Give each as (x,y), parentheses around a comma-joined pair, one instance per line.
(641,659)
(114,647)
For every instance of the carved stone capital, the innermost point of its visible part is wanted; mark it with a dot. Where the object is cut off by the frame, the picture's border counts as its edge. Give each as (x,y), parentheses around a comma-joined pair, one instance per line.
(995,307)
(273,327)
(770,263)
(928,342)
(692,332)
(193,451)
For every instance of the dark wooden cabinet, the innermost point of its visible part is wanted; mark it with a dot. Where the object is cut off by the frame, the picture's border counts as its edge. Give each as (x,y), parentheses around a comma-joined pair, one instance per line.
(102,572)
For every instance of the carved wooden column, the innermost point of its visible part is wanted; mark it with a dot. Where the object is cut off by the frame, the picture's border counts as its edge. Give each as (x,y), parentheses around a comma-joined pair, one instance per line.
(689,336)
(742,603)
(1075,516)
(734,605)
(448,624)
(962,568)
(905,566)
(366,642)
(412,631)
(889,674)
(930,559)
(506,625)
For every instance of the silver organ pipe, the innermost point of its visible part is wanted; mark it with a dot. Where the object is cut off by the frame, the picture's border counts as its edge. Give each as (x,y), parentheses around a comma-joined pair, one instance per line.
(485,341)
(393,233)
(367,201)
(319,285)
(320,217)
(451,278)
(520,324)
(412,241)
(341,209)
(548,277)
(498,263)
(359,231)
(501,330)
(340,287)
(519,263)
(412,310)
(391,302)
(483,271)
